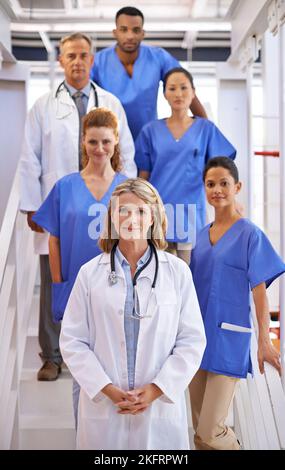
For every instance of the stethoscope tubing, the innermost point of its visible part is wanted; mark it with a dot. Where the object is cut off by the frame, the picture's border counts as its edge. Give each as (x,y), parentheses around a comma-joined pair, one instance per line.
(112,276)
(62,84)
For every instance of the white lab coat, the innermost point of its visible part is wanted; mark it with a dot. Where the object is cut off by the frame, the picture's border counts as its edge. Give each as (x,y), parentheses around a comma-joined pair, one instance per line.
(169,351)
(50,147)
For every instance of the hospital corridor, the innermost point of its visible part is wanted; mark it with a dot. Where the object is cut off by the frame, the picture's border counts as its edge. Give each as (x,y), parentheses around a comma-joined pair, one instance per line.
(142,225)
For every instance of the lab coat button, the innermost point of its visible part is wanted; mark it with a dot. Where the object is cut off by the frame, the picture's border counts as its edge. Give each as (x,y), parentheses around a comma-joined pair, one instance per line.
(121,312)
(122,344)
(124,375)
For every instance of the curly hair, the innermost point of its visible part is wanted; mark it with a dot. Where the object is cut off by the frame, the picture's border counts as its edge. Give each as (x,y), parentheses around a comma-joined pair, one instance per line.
(101,117)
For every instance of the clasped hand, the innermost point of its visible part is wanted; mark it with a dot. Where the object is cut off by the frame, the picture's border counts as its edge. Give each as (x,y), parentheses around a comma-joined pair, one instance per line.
(135,401)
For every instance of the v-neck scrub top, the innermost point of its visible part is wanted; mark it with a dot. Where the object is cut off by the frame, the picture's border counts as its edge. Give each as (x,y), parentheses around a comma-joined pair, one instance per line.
(138,94)
(71,213)
(176,170)
(223,275)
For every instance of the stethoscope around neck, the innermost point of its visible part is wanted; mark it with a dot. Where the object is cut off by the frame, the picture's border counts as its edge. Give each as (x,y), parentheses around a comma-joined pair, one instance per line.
(113,279)
(63,85)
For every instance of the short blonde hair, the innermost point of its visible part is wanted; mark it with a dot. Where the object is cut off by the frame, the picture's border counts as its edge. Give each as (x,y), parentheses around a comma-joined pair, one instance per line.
(147,193)
(101,117)
(74,37)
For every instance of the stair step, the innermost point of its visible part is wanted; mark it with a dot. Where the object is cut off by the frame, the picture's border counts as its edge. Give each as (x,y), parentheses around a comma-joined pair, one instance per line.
(47,433)
(46,421)
(45,398)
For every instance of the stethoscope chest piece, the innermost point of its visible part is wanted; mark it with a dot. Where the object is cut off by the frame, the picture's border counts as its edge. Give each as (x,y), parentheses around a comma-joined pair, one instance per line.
(113,279)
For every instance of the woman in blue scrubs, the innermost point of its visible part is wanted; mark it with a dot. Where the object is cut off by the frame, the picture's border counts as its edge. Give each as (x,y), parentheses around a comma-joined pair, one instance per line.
(171,153)
(232,256)
(75,209)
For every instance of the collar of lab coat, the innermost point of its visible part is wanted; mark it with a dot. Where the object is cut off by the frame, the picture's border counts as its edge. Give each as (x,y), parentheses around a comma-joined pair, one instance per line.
(65,103)
(147,272)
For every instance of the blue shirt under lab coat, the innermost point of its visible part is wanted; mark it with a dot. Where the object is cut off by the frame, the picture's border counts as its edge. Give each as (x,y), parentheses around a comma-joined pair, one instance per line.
(138,94)
(71,213)
(131,325)
(176,170)
(223,275)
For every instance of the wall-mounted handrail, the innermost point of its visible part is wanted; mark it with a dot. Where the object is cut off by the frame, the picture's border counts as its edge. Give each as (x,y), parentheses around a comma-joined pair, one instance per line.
(17,279)
(259,406)
(8,224)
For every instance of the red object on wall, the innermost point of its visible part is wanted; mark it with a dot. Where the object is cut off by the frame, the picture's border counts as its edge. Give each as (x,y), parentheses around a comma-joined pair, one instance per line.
(274,153)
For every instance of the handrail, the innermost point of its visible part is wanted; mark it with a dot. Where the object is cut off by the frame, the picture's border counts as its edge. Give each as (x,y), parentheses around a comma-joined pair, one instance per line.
(259,405)
(6,230)
(17,279)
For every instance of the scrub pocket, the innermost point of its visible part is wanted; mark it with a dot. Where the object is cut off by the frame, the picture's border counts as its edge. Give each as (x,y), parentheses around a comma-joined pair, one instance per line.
(232,351)
(194,167)
(60,295)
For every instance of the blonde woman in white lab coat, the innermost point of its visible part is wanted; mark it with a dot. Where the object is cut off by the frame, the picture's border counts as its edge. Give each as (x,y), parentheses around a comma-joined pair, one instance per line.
(132,333)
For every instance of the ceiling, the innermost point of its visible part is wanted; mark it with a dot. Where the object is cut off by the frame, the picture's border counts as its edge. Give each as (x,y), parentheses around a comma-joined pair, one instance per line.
(88,10)
(173,24)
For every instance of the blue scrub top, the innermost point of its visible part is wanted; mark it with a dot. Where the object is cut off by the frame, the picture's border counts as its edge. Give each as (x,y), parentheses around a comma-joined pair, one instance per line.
(138,94)
(71,213)
(176,170)
(223,275)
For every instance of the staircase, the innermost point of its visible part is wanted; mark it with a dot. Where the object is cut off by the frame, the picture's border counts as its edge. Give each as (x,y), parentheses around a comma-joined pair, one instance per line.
(259,406)
(39,415)
(45,408)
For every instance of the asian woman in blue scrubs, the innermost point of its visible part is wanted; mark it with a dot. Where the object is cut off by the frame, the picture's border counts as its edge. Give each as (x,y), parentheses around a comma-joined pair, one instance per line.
(171,153)
(232,256)
(74,211)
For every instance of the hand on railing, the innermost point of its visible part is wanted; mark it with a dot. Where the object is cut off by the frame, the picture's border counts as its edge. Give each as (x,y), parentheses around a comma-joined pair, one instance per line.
(33,226)
(267,352)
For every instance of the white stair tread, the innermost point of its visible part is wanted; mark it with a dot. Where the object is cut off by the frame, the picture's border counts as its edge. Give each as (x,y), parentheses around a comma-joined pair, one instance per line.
(59,421)
(47,439)
(45,398)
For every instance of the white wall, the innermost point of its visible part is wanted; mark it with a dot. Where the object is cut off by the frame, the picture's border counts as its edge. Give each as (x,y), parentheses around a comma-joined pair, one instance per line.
(270,72)
(5,36)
